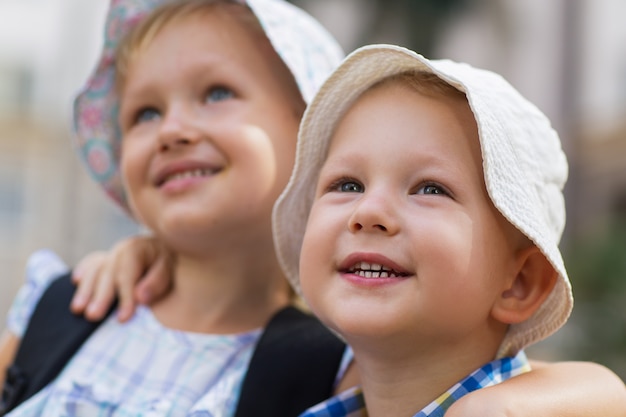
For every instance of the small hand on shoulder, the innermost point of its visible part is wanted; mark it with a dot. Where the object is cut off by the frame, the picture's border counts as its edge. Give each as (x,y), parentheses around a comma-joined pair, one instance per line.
(136,270)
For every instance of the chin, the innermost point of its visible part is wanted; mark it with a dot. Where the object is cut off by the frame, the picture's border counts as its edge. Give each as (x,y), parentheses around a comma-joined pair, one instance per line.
(185,217)
(358,322)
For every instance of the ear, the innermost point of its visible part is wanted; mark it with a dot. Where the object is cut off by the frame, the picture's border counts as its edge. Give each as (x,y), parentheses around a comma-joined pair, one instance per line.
(534,278)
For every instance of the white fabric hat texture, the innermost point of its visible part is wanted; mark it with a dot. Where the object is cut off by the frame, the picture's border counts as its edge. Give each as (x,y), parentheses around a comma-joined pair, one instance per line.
(524,166)
(307,48)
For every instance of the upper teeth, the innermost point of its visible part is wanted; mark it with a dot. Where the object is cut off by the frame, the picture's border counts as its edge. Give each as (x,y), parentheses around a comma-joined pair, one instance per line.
(368,270)
(187,174)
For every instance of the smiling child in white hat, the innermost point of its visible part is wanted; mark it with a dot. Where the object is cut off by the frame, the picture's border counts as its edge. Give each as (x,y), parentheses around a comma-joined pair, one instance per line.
(433,192)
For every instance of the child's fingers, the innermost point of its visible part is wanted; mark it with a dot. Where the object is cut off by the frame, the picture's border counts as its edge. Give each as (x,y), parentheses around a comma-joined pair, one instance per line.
(104,291)
(130,268)
(126,302)
(85,285)
(133,257)
(126,310)
(88,276)
(158,279)
(101,277)
(88,265)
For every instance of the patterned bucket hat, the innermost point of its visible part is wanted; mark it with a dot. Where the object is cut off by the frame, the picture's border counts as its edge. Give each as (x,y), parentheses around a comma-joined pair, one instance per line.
(524,166)
(308,50)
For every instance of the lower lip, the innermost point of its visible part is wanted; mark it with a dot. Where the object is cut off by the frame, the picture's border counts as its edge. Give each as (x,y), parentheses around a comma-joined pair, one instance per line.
(179,185)
(371,282)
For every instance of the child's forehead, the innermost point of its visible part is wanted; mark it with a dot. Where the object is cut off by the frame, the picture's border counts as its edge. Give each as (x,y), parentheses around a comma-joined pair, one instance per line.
(221,19)
(382,96)
(420,132)
(419,83)
(222,35)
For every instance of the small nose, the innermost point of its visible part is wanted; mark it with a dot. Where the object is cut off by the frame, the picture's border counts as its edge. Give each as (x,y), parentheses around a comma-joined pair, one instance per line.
(177,129)
(374,213)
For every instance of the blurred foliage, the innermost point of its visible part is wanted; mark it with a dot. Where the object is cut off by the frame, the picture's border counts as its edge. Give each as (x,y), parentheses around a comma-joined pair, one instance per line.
(423,19)
(597,269)
(420,22)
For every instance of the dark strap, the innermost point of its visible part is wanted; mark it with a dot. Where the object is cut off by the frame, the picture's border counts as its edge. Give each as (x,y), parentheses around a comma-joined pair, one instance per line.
(52,337)
(293,367)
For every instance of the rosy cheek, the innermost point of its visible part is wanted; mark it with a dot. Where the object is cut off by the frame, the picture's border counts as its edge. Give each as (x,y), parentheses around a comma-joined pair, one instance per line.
(124,165)
(130,166)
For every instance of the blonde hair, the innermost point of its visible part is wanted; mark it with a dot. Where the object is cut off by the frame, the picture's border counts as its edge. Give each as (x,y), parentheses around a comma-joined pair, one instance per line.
(145,31)
(425,83)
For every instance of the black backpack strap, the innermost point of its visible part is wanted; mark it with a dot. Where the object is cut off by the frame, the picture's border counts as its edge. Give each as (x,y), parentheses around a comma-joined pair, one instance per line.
(293,367)
(52,337)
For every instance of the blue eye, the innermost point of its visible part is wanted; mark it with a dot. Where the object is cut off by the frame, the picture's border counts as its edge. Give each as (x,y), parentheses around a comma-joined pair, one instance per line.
(146,115)
(351,187)
(431,189)
(217,94)
(346,185)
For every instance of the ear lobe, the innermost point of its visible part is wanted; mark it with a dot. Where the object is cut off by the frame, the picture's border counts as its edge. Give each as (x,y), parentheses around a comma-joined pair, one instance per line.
(533,282)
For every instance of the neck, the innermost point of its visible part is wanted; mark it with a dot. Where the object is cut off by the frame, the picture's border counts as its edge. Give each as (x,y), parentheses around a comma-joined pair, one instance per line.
(223,293)
(401,378)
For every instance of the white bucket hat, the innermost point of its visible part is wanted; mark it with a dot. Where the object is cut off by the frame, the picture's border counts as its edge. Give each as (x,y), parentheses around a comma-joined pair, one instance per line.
(308,50)
(524,166)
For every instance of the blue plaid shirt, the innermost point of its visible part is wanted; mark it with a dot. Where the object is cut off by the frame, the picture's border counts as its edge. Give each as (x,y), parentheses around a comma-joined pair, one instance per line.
(350,403)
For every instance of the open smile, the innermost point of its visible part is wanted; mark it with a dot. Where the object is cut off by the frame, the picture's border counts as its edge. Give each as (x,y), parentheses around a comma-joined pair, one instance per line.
(374,270)
(186,174)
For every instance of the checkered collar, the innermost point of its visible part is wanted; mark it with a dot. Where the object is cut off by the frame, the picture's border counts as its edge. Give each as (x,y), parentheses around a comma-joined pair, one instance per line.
(350,403)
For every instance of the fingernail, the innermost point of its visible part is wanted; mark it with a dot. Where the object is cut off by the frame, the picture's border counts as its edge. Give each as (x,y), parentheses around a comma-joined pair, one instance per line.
(92,308)
(78,301)
(144,296)
(121,315)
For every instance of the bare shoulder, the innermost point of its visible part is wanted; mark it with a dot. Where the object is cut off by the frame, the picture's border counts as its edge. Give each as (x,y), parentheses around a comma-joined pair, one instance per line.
(9,343)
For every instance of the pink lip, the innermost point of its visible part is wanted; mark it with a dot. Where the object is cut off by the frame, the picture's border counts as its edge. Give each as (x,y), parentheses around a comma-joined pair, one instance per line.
(162,173)
(372,258)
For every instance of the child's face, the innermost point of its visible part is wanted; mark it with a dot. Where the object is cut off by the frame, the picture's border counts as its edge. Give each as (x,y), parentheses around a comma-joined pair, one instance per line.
(209,118)
(403,243)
